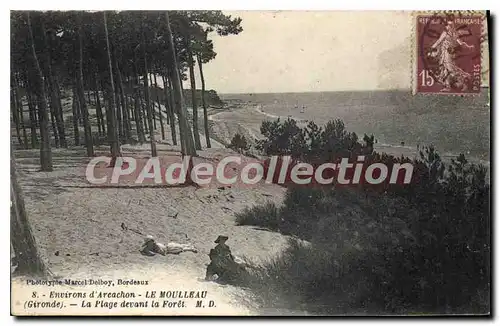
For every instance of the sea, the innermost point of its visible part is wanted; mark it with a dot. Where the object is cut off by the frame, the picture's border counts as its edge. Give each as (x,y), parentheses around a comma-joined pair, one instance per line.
(397,118)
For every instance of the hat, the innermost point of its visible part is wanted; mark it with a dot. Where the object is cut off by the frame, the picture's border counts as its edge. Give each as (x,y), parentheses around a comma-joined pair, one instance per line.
(221,238)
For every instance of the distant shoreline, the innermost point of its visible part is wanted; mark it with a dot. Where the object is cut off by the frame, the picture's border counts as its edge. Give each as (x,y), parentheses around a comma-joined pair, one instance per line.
(484,90)
(246,108)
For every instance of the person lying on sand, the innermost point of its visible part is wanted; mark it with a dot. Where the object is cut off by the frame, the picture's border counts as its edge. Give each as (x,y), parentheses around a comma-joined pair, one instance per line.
(150,247)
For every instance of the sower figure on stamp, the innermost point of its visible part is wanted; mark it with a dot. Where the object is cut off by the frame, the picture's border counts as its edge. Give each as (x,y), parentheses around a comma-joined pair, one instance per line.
(444,49)
(222,261)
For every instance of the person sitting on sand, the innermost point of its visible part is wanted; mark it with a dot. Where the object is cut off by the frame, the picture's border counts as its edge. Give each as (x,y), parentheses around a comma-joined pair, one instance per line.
(222,260)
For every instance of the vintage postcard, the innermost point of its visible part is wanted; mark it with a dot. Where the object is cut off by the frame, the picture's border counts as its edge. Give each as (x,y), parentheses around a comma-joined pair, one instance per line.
(277,163)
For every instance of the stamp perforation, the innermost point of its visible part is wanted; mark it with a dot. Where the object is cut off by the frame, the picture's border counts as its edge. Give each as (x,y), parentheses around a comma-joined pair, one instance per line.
(483,48)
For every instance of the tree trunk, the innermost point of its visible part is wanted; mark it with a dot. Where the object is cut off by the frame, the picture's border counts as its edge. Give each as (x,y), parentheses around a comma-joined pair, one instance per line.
(15,109)
(26,254)
(77,114)
(182,86)
(55,96)
(148,99)
(21,112)
(125,118)
(144,113)
(112,136)
(170,108)
(23,124)
(53,117)
(203,102)
(119,110)
(89,142)
(138,108)
(194,104)
(32,114)
(166,103)
(141,108)
(186,135)
(74,106)
(138,114)
(160,113)
(131,100)
(131,110)
(88,96)
(173,112)
(45,151)
(176,107)
(98,109)
(127,124)
(152,105)
(59,113)
(98,102)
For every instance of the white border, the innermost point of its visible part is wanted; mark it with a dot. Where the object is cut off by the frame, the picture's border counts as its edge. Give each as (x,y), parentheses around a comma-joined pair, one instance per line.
(200,4)
(255,5)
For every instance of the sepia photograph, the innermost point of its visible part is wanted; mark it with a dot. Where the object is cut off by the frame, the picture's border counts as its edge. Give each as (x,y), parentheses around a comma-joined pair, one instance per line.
(250,163)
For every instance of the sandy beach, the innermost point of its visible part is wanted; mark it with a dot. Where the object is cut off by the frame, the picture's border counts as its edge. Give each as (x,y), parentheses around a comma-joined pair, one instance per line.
(78,233)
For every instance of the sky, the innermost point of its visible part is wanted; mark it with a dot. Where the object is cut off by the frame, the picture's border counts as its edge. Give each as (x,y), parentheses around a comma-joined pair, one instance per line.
(290,51)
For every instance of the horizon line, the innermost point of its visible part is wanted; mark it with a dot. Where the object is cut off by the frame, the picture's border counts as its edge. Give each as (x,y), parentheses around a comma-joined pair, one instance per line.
(324,91)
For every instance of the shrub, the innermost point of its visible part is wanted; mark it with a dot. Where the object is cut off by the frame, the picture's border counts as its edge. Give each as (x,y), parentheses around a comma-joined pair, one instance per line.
(239,143)
(394,257)
(312,143)
(417,248)
(319,279)
(282,138)
(265,216)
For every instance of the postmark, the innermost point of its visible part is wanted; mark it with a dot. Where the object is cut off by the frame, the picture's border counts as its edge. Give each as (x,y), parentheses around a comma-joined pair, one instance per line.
(448,53)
